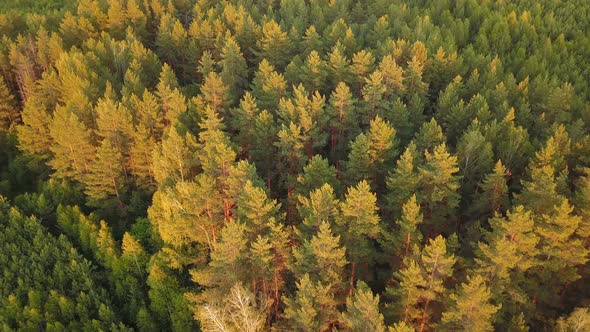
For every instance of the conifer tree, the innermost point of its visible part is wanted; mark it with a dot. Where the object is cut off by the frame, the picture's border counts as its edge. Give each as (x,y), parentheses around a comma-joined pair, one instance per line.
(312,308)
(33,134)
(362,311)
(312,41)
(320,206)
(471,309)
(72,149)
(362,64)
(316,173)
(268,86)
(234,70)
(475,157)
(339,64)
(274,44)
(314,72)
(406,237)
(242,121)
(438,265)
(562,250)
(105,178)
(359,165)
(359,225)
(114,123)
(373,96)
(8,111)
(342,110)
(264,149)
(492,196)
(228,263)
(392,77)
(175,159)
(438,188)
(508,253)
(429,136)
(215,93)
(321,258)
(402,183)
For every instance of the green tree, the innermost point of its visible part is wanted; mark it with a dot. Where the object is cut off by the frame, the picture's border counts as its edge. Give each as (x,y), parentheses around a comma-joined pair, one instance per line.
(274,44)
(438,188)
(362,311)
(321,258)
(316,173)
(507,254)
(312,307)
(492,196)
(403,182)
(359,226)
(471,309)
(234,70)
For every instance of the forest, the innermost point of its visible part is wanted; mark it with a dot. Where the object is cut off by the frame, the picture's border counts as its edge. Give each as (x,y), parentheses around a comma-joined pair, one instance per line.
(295,165)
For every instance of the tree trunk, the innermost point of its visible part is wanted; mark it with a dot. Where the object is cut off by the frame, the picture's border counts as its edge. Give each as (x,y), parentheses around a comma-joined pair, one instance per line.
(353,267)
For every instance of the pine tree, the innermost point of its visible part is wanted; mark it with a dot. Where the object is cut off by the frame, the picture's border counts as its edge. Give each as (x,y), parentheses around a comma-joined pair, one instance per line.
(403,182)
(175,159)
(188,206)
(438,265)
(291,153)
(33,133)
(263,148)
(312,308)
(268,86)
(359,166)
(561,249)
(345,123)
(438,188)
(217,153)
(373,96)
(339,65)
(274,44)
(362,311)
(508,253)
(359,225)
(409,293)
(9,114)
(242,121)
(429,136)
(406,237)
(322,258)
(475,158)
(215,92)
(383,144)
(492,196)
(582,202)
(106,175)
(234,70)
(114,123)
(362,64)
(228,263)
(72,149)
(314,72)
(320,206)
(256,210)
(316,173)
(392,77)
(471,309)
(312,41)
